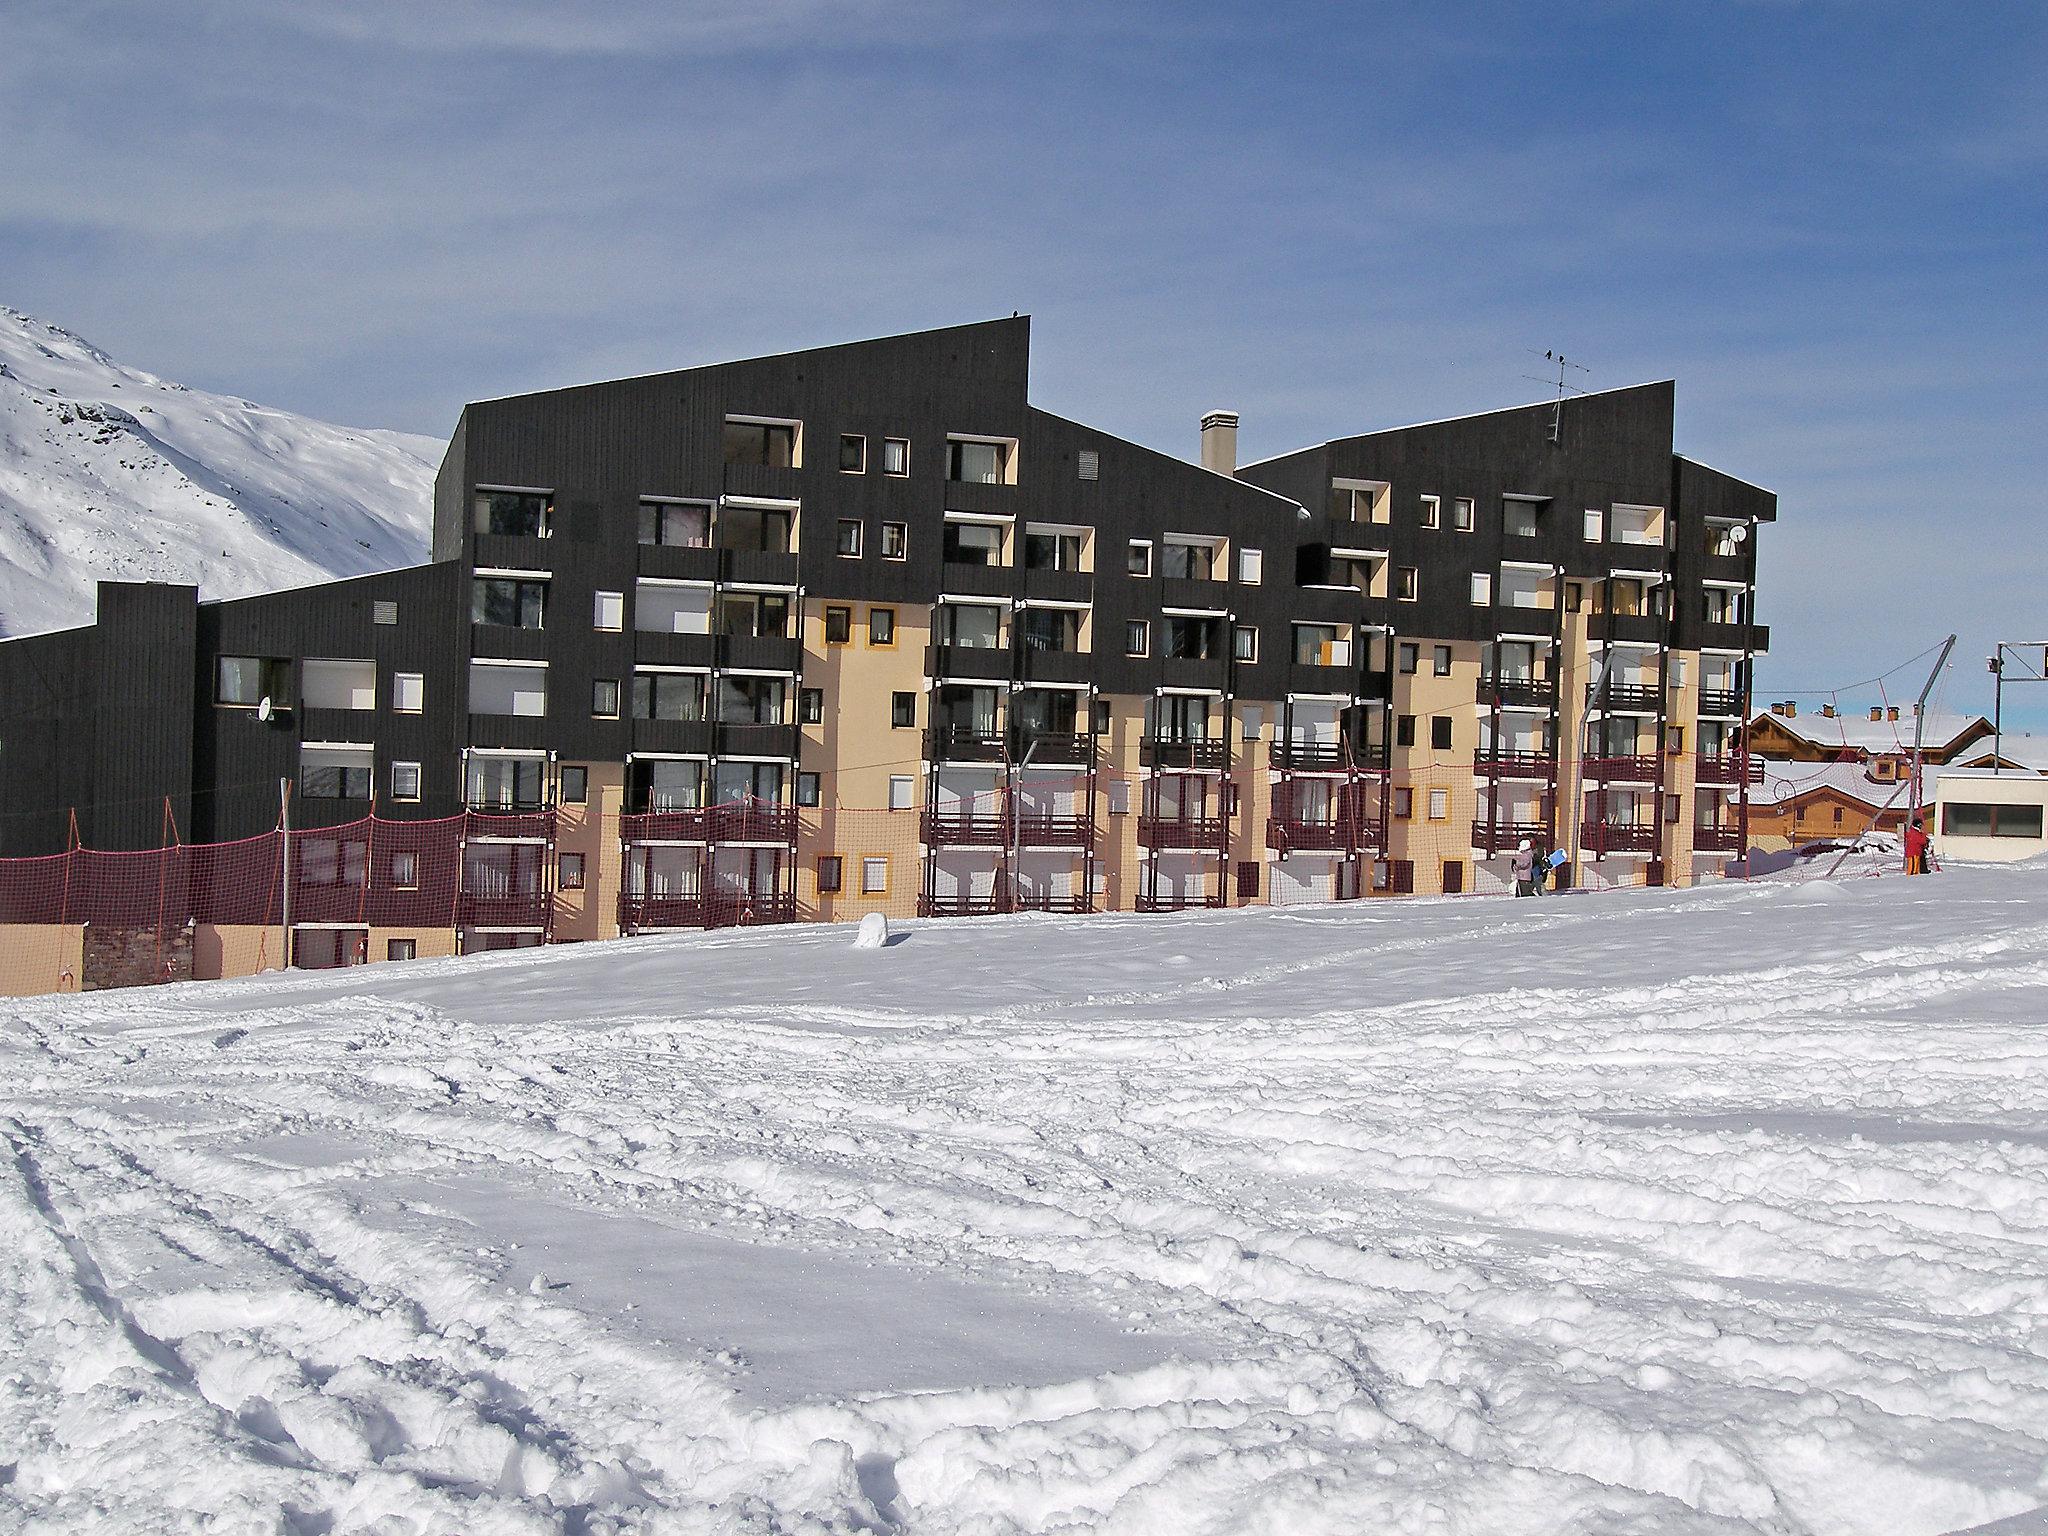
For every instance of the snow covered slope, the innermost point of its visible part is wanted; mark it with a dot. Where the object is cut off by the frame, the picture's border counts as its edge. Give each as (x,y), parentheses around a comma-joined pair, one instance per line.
(108,473)
(1655,1213)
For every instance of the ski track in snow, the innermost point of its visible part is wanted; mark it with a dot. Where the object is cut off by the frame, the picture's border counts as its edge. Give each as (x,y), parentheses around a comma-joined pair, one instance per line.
(1660,1212)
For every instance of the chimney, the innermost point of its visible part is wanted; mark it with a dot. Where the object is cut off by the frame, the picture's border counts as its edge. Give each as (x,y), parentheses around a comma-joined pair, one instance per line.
(1791,709)
(1219,442)
(1892,713)
(1877,711)
(1827,711)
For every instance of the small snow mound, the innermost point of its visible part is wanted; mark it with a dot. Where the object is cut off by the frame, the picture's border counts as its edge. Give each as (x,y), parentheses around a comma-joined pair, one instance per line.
(874,932)
(1818,890)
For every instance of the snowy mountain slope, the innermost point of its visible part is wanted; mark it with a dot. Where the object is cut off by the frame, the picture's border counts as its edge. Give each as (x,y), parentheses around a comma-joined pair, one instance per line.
(1661,1213)
(110,473)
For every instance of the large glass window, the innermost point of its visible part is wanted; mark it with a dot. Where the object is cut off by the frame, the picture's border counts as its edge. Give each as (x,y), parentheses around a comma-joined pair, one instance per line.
(733,781)
(979,463)
(971,625)
(668,696)
(684,523)
(761,615)
(333,779)
(1052,629)
(772,444)
(1198,639)
(664,784)
(509,601)
(506,783)
(768,529)
(520,514)
(1965,819)
(249,680)
(744,700)
(973,544)
(1047,550)
(1187,561)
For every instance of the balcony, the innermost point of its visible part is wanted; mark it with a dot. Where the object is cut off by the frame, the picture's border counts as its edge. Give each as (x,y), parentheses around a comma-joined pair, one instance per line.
(679,562)
(527,908)
(970,580)
(508,642)
(489,804)
(1622,770)
(1328,757)
(1175,901)
(760,653)
(682,826)
(1717,839)
(1721,701)
(1061,586)
(960,744)
(1644,627)
(1204,832)
(748,740)
(690,736)
(1625,698)
(975,663)
(752,821)
(1620,837)
(1058,666)
(965,829)
(513,821)
(762,566)
(745,909)
(637,913)
(1200,753)
(1048,901)
(1498,763)
(1495,838)
(1728,770)
(1514,692)
(1194,671)
(1043,746)
(1340,834)
(1049,831)
(963,906)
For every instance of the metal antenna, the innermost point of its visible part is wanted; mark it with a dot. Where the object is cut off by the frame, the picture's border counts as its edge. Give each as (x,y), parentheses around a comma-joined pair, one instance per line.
(1550,355)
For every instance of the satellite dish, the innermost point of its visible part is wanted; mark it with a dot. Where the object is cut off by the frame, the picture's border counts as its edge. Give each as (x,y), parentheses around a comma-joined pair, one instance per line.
(264,709)
(1738,533)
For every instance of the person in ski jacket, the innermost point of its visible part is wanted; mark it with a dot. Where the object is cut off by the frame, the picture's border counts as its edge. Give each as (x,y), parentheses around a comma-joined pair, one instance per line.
(1539,867)
(1916,848)
(1523,867)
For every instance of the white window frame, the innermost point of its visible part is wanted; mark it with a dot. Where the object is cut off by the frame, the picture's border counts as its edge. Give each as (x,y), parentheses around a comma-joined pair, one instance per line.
(1432,511)
(902,791)
(1251,564)
(417,780)
(1146,545)
(1144,627)
(408,683)
(868,864)
(1482,589)
(1595,529)
(598,602)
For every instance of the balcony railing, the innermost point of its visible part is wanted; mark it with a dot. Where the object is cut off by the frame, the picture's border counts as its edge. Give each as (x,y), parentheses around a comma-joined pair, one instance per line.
(1721,701)
(1048,831)
(1634,698)
(507,805)
(1049,746)
(1728,770)
(678,826)
(1502,763)
(728,909)
(752,821)
(639,912)
(958,744)
(963,906)
(1494,838)
(1049,901)
(1635,769)
(1341,834)
(1528,692)
(1717,839)
(963,829)
(1181,831)
(1175,901)
(1328,757)
(1620,837)
(1192,752)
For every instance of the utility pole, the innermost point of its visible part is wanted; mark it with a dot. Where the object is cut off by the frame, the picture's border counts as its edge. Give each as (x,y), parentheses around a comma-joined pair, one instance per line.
(1920,718)
(284,830)
(1998,665)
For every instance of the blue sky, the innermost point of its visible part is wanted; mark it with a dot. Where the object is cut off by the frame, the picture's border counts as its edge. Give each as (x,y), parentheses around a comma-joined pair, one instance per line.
(1826,220)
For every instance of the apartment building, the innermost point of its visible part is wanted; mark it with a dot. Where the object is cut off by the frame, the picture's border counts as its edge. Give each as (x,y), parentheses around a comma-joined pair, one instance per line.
(861,629)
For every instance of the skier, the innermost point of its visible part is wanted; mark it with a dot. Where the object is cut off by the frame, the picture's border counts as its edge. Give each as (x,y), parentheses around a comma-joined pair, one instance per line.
(1539,867)
(1523,867)
(1916,848)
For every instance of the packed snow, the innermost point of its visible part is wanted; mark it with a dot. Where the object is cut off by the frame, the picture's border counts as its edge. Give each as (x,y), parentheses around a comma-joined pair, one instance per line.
(108,473)
(1651,1212)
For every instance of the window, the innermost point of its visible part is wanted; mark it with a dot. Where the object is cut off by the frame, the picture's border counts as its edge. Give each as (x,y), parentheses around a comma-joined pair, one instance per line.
(408,692)
(249,680)
(810,706)
(1442,660)
(902,710)
(668,696)
(575,784)
(1482,589)
(1404,583)
(979,463)
(1404,802)
(838,625)
(807,789)
(1244,642)
(1051,549)
(1969,819)
(383,611)
(881,626)
(1518,519)
(749,700)
(1247,880)
(334,780)
(508,688)
(1251,724)
(1439,805)
(569,872)
(1408,656)
(1138,558)
(768,443)
(1674,739)
(853,453)
(1137,637)
(1088,464)
(1251,565)
(902,788)
(1188,559)
(686,524)
(972,543)
(604,698)
(874,875)
(506,783)
(515,514)
(849,538)
(1674,809)
(831,874)
(509,601)
(1404,730)
(1099,717)
(1051,629)
(609,611)
(1119,797)
(1574,596)
(405,781)
(1440,732)
(401,949)
(1593,525)
(895,541)
(896,456)
(1432,511)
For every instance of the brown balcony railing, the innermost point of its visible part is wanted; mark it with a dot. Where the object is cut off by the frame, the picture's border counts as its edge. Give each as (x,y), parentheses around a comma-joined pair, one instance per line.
(1634,769)
(1620,837)
(1175,901)
(1201,752)
(1717,839)
(679,826)
(1635,697)
(1500,837)
(963,906)
(1528,691)
(736,910)
(1048,831)
(1180,831)
(955,744)
(1504,764)
(1049,746)
(1720,701)
(1342,834)
(958,829)
(752,821)
(1328,757)
(1728,770)
(638,912)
